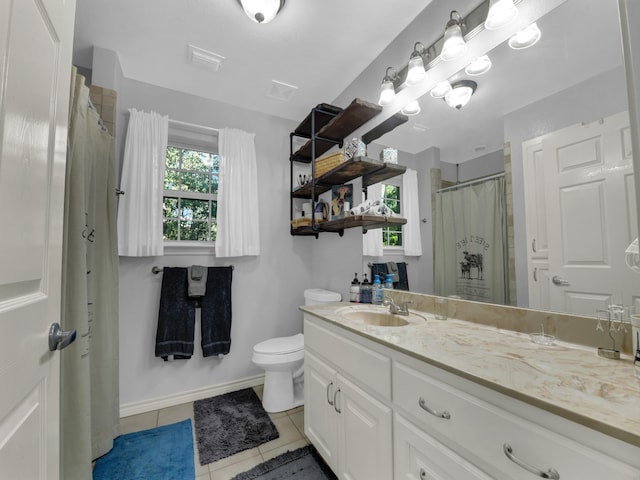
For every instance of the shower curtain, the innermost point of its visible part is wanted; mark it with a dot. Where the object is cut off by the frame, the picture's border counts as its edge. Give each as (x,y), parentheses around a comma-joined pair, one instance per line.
(471,243)
(89,370)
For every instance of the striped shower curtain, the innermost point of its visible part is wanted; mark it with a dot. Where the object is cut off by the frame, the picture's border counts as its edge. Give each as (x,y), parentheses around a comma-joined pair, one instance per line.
(471,243)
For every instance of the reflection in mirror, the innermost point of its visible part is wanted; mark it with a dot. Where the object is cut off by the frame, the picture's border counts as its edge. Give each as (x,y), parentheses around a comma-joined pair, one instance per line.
(551,118)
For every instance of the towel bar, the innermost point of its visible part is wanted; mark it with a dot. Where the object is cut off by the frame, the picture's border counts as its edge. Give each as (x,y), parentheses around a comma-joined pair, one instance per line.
(156,270)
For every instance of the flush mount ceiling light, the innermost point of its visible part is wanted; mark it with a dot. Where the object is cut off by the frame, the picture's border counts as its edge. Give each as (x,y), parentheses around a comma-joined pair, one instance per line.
(415,70)
(460,93)
(440,90)
(412,108)
(261,11)
(479,66)
(454,44)
(500,13)
(525,38)
(387,89)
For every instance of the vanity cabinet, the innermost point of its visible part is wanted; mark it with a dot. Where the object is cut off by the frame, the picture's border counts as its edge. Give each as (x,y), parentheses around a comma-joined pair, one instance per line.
(350,428)
(370,409)
(325,127)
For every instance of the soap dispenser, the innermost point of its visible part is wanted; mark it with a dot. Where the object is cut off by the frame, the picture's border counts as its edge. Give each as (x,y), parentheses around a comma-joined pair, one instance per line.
(354,291)
(388,282)
(377,291)
(365,290)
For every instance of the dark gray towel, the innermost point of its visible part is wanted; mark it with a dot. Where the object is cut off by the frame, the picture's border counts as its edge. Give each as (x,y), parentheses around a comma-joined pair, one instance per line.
(176,316)
(216,312)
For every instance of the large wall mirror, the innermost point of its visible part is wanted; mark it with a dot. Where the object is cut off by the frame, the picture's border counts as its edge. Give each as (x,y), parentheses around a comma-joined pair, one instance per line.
(558,106)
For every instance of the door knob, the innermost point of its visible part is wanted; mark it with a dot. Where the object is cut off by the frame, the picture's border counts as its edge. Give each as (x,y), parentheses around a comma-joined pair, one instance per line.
(559,281)
(58,338)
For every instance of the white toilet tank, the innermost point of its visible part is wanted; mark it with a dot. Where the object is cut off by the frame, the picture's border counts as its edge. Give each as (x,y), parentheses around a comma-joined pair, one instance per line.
(315,296)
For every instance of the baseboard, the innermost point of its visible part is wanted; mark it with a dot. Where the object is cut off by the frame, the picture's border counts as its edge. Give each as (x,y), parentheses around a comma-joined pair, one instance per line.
(144,406)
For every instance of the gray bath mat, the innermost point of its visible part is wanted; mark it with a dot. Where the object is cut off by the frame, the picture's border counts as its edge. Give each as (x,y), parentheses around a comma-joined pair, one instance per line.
(231,423)
(303,463)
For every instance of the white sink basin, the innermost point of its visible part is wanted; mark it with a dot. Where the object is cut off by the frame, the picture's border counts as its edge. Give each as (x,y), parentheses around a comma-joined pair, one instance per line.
(378,316)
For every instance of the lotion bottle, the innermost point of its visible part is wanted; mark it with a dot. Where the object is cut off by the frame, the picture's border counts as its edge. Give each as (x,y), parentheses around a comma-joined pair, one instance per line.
(377,291)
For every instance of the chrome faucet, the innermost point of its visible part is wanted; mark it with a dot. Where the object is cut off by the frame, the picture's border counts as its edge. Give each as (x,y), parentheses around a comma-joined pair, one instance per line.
(394,309)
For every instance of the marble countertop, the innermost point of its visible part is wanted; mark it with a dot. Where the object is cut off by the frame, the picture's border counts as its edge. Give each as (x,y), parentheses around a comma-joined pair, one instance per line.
(565,379)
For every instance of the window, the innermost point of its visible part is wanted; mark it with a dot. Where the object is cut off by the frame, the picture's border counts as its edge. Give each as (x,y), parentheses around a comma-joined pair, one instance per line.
(392,235)
(190,195)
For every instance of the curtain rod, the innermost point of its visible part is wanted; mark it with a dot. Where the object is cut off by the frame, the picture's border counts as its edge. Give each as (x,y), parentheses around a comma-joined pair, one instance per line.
(187,124)
(470,182)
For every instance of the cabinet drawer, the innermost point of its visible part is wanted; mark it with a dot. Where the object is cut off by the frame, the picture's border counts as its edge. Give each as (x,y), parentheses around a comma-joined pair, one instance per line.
(368,367)
(479,431)
(419,456)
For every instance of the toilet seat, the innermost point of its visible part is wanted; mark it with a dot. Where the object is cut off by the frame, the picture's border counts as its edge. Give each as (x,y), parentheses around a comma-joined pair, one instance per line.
(280,345)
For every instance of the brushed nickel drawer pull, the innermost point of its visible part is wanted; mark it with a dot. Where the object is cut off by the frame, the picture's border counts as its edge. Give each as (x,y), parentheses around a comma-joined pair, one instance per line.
(335,400)
(551,473)
(446,415)
(329,385)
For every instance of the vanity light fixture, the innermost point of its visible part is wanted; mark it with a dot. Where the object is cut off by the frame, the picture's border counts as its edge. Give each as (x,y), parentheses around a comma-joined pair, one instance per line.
(387,89)
(500,13)
(525,38)
(440,90)
(454,44)
(479,66)
(460,93)
(261,11)
(416,70)
(412,108)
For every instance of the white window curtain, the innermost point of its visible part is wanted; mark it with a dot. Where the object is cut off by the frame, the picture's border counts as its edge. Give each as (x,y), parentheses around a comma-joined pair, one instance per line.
(140,209)
(238,226)
(411,238)
(372,240)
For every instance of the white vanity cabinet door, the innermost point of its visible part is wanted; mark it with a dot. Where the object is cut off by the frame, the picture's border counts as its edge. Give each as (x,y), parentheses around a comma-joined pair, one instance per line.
(418,456)
(365,435)
(320,419)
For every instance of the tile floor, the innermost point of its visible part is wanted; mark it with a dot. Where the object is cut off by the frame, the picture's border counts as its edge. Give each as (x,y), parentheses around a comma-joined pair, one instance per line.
(290,425)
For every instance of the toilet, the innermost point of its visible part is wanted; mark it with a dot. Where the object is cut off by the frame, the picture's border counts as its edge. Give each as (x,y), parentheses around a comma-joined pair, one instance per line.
(282,359)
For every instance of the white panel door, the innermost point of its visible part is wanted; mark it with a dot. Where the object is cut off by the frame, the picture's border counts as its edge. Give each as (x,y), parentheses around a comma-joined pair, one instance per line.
(587,177)
(580,215)
(365,436)
(35,46)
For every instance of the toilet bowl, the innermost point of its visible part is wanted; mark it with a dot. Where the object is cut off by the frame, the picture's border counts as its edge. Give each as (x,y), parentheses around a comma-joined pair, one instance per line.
(282,359)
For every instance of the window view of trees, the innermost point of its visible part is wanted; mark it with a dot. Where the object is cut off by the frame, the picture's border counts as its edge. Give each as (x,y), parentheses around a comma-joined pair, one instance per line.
(392,236)
(190,195)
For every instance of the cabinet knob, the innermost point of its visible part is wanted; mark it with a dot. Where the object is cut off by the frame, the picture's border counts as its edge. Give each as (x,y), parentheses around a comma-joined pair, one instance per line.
(423,474)
(550,473)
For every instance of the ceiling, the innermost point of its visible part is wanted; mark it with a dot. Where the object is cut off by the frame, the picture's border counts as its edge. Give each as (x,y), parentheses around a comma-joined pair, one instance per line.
(335,50)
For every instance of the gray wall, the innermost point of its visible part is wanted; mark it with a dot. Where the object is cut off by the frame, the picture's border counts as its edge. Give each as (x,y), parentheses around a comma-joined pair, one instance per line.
(267,289)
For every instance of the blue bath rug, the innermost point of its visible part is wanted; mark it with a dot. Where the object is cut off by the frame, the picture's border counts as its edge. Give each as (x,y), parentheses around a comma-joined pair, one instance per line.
(163,453)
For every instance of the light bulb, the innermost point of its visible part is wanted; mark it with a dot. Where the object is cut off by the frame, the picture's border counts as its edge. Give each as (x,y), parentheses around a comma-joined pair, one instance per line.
(387,92)
(500,13)
(415,71)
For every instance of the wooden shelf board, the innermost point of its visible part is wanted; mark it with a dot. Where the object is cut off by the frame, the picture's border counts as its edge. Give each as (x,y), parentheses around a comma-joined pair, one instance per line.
(343,124)
(367,221)
(387,170)
(385,127)
(324,114)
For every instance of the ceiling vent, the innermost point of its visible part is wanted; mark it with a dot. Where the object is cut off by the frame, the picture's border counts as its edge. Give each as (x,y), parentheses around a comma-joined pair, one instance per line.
(204,58)
(419,128)
(281,91)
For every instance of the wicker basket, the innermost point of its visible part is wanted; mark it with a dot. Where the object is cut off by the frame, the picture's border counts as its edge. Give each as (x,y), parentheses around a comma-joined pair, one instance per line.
(304,222)
(328,162)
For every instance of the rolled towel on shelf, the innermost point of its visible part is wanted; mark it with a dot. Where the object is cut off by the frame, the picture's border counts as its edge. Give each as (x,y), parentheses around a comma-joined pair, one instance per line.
(368,207)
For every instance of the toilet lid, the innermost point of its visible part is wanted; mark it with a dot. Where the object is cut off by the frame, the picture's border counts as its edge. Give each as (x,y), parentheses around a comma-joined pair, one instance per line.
(281,345)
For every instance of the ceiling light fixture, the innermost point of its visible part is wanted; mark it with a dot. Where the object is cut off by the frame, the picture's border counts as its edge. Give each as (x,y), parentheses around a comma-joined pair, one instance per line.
(412,108)
(500,13)
(460,93)
(454,44)
(440,90)
(525,38)
(261,11)
(479,66)
(416,70)
(387,89)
